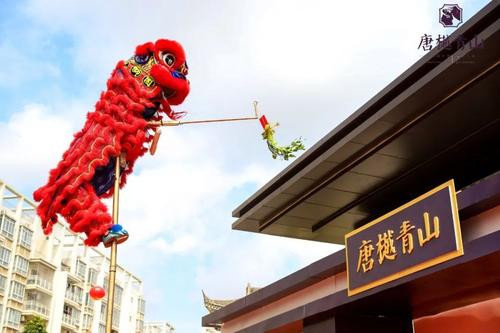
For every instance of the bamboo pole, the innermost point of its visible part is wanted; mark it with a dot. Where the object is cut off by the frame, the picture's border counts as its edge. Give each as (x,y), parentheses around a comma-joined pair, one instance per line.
(114,247)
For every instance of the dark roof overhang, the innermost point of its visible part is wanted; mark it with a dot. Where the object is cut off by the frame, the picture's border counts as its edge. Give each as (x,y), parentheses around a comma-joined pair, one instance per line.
(438,120)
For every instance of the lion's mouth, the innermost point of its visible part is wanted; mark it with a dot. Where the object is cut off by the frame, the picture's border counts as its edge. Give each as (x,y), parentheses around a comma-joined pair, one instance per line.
(167,93)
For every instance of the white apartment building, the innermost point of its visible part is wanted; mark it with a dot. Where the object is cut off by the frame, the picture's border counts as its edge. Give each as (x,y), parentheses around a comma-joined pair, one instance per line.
(50,276)
(158,327)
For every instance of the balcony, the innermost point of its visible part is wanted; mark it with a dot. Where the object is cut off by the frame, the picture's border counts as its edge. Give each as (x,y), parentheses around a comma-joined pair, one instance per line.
(36,308)
(89,309)
(65,267)
(12,324)
(41,258)
(87,323)
(37,282)
(73,297)
(70,321)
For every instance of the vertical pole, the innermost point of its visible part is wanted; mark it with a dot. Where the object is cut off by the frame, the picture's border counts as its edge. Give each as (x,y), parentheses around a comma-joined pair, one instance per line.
(112,260)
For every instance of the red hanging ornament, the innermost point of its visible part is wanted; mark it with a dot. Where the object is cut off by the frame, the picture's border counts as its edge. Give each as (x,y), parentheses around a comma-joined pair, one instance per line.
(96,293)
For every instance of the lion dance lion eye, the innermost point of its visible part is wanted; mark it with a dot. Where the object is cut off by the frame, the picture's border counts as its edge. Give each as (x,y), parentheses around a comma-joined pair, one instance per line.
(169,59)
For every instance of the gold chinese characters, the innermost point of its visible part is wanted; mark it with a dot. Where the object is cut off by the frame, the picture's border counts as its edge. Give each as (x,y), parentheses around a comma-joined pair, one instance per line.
(385,248)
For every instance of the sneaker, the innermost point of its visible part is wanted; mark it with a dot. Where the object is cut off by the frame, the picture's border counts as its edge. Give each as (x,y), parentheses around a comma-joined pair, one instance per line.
(115,234)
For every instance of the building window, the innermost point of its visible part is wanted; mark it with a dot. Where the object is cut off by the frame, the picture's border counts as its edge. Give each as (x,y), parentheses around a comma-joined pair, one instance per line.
(25,237)
(92,277)
(74,293)
(80,269)
(105,283)
(8,227)
(116,317)
(3,280)
(103,312)
(141,305)
(13,317)
(87,321)
(102,328)
(118,295)
(30,296)
(4,257)
(79,294)
(21,265)
(17,291)
(139,325)
(71,315)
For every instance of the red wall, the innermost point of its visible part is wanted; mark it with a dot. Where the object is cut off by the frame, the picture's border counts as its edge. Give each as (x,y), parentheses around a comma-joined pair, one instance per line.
(483,317)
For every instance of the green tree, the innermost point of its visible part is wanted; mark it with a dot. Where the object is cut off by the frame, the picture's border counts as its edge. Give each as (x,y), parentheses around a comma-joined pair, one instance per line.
(35,325)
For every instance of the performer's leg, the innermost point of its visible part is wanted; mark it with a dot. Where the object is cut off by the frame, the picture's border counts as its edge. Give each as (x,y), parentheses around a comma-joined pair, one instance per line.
(86,213)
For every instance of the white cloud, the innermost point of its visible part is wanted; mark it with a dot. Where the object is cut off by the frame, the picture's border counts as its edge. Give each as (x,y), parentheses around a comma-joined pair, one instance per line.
(31,143)
(311,45)
(181,244)
(26,68)
(257,259)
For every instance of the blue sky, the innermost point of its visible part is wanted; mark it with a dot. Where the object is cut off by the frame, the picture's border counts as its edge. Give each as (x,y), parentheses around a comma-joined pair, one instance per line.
(310,67)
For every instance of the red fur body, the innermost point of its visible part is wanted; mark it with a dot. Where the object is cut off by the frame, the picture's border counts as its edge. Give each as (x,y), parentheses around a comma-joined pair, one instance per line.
(116,127)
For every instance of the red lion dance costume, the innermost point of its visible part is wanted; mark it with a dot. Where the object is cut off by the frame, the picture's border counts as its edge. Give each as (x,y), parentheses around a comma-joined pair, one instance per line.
(139,90)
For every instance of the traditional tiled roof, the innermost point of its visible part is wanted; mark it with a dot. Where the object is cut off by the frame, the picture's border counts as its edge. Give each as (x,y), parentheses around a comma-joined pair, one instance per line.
(216,304)
(250,289)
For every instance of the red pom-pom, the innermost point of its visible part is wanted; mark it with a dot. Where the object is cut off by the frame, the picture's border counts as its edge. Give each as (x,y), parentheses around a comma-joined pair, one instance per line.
(96,293)
(144,49)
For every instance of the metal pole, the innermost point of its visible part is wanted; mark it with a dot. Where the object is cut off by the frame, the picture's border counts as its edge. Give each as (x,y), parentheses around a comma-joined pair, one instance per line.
(178,123)
(112,260)
(204,121)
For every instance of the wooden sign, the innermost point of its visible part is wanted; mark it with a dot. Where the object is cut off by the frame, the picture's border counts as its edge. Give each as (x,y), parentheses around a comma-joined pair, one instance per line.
(422,233)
